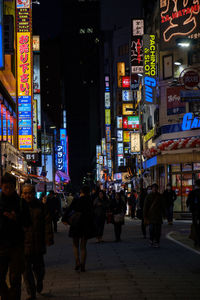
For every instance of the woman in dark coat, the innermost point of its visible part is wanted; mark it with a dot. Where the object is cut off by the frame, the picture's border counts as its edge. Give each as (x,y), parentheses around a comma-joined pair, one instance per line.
(82,227)
(118,208)
(100,204)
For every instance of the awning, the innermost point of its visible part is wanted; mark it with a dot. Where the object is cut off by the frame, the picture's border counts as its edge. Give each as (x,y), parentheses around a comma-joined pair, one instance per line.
(63,175)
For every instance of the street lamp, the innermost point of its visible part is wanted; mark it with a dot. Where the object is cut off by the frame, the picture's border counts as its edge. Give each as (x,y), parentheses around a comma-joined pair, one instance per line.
(36,2)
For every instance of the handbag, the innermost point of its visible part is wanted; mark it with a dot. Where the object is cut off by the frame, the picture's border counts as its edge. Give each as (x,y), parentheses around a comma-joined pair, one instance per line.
(72,217)
(119,218)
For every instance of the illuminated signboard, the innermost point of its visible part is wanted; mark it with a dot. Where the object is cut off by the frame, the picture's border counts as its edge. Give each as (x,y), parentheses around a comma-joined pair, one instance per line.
(59,157)
(107,117)
(149,68)
(149,135)
(24,74)
(103,146)
(108,149)
(63,142)
(190,122)
(127,95)
(9,128)
(34,124)
(119,135)
(127,109)
(36,74)
(178,19)
(1,36)
(107,100)
(4,123)
(0,123)
(120,160)
(127,137)
(126,82)
(137,32)
(119,122)
(120,73)
(131,122)
(120,149)
(36,43)
(108,134)
(174,104)
(98,153)
(135,142)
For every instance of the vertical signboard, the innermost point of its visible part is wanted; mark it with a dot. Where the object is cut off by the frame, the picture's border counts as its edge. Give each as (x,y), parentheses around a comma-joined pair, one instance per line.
(150,70)
(24,74)
(120,73)
(34,124)
(137,31)
(107,153)
(63,142)
(1,36)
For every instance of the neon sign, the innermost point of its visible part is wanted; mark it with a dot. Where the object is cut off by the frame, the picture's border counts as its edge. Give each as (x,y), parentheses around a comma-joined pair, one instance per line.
(189,122)
(137,46)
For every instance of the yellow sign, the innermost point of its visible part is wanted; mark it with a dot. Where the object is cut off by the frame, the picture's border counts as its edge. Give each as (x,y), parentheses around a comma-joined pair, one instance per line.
(149,135)
(120,73)
(127,109)
(127,138)
(107,117)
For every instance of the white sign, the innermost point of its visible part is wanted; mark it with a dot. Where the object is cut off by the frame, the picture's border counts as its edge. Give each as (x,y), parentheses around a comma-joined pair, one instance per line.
(135,142)
(127,95)
(119,135)
(107,100)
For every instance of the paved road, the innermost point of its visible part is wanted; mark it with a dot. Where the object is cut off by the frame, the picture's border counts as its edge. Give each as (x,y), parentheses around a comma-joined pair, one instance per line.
(127,270)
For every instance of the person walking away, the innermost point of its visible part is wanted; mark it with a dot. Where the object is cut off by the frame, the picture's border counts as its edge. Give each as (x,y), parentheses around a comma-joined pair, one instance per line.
(141,199)
(153,215)
(118,208)
(14,217)
(82,226)
(100,205)
(132,201)
(53,204)
(169,197)
(193,203)
(37,236)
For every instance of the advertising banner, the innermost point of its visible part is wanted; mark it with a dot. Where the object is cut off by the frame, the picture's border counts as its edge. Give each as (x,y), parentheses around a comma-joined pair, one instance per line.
(137,31)
(150,68)
(135,142)
(178,19)
(24,75)
(131,122)
(174,104)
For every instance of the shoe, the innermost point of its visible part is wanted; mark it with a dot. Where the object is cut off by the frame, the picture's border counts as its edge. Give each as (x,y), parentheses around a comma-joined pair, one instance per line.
(156,245)
(82,268)
(39,287)
(77,267)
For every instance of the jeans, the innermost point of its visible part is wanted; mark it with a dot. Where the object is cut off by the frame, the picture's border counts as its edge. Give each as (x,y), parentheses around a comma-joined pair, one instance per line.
(155,232)
(11,259)
(34,270)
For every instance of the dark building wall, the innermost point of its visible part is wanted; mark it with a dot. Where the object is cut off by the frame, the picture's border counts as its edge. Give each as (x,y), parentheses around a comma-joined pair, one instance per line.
(81,31)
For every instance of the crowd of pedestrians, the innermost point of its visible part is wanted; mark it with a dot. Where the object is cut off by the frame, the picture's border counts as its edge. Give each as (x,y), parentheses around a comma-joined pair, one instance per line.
(27,226)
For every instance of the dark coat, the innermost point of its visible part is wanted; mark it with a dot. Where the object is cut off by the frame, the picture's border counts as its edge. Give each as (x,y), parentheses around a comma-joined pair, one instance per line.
(53,204)
(40,233)
(12,231)
(118,207)
(85,227)
(193,202)
(169,197)
(154,208)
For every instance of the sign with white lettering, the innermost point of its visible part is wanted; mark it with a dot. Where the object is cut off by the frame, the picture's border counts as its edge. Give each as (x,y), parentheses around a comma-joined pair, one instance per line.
(137,32)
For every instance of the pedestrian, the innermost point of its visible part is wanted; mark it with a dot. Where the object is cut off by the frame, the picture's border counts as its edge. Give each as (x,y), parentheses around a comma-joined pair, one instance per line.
(54,207)
(14,218)
(80,217)
(100,206)
(36,237)
(118,208)
(141,199)
(153,215)
(169,198)
(193,202)
(132,201)
(70,198)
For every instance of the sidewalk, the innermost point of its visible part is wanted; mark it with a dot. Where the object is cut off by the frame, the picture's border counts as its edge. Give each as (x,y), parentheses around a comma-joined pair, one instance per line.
(128,270)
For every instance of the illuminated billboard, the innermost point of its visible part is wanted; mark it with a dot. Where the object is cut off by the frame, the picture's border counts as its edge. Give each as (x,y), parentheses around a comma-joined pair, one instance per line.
(131,122)
(63,143)
(24,75)
(137,31)
(107,117)
(119,122)
(135,142)
(126,82)
(120,135)
(1,36)
(127,109)
(34,124)
(120,73)
(120,149)
(178,19)
(36,43)
(150,68)
(127,95)
(126,137)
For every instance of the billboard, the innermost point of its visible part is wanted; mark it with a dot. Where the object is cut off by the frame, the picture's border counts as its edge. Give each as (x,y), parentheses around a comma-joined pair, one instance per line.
(174,104)
(24,75)
(131,122)
(150,68)
(178,19)
(1,36)
(135,142)
(137,31)
(127,109)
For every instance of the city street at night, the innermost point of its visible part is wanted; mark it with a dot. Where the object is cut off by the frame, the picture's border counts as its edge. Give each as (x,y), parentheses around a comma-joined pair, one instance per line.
(128,270)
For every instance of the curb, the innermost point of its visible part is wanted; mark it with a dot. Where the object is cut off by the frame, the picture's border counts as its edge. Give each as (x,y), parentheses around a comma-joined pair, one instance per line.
(181,244)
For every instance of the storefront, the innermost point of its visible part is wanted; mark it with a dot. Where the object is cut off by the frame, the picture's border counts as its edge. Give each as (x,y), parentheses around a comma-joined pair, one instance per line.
(181,168)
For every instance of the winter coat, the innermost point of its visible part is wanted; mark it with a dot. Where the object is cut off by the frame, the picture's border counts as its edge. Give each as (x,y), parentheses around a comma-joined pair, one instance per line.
(100,206)
(40,233)
(193,202)
(118,207)
(12,231)
(169,197)
(85,226)
(54,206)
(154,208)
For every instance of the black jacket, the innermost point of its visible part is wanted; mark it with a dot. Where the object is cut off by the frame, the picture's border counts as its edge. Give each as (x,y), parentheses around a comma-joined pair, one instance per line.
(169,197)
(193,202)
(12,231)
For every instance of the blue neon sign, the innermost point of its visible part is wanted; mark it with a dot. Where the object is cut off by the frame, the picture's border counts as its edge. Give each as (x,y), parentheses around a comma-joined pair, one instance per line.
(189,122)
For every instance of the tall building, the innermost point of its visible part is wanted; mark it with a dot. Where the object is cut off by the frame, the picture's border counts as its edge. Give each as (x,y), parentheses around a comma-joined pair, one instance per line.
(81,49)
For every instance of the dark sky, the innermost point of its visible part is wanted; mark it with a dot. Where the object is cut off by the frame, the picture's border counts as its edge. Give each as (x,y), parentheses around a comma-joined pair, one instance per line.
(119,12)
